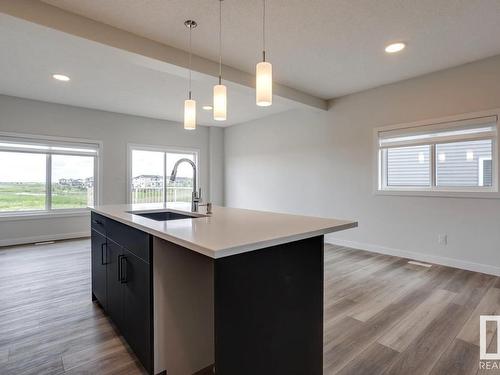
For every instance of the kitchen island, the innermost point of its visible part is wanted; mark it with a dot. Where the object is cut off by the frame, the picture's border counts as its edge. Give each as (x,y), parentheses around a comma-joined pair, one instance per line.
(238,289)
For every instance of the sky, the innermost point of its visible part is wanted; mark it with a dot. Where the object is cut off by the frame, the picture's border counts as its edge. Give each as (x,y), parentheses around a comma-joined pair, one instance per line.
(151,162)
(24,167)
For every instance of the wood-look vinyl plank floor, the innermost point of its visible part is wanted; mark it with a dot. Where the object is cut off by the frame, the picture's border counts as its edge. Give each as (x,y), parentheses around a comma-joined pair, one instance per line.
(48,323)
(432,327)
(374,361)
(407,329)
(460,358)
(382,315)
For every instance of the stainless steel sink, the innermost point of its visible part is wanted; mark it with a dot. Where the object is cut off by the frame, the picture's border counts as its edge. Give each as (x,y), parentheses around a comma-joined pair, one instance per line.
(163,215)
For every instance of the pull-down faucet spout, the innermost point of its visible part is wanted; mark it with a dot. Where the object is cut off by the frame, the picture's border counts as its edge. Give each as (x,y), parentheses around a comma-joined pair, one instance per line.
(196,195)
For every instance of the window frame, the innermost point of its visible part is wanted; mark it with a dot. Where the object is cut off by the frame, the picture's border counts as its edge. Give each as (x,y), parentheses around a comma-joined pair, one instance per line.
(380,179)
(158,148)
(50,212)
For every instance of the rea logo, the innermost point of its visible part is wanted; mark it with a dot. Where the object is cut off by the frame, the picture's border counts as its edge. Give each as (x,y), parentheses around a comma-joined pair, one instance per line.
(483,347)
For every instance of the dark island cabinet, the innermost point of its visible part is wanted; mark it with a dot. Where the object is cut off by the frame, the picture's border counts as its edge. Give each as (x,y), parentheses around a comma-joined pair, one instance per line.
(122,282)
(138,320)
(115,307)
(99,267)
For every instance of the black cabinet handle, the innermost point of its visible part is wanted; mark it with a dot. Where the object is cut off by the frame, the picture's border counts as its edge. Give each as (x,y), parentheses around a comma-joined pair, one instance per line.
(123,279)
(119,267)
(97,222)
(103,262)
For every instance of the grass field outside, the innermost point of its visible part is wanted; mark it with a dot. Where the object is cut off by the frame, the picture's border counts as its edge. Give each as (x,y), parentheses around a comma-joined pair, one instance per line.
(30,196)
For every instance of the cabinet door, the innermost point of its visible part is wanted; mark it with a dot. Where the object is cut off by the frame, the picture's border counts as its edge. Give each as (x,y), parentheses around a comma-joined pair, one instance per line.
(98,255)
(114,285)
(137,307)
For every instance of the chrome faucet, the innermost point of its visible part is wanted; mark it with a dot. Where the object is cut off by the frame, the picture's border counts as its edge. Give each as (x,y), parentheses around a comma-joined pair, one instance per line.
(196,195)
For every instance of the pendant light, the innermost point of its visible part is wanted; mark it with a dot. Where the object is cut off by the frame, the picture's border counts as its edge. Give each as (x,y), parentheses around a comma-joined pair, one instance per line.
(220,91)
(190,104)
(264,71)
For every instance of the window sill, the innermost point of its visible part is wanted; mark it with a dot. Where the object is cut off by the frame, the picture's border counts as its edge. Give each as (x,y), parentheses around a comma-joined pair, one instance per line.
(440,194)
(43,215)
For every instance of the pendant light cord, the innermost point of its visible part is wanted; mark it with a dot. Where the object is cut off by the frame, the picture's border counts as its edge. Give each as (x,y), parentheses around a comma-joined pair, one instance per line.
(264,31)
(220,42)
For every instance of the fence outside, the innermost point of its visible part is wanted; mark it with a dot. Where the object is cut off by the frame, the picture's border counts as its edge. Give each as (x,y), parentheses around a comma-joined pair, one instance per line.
(155,195)
(90,196)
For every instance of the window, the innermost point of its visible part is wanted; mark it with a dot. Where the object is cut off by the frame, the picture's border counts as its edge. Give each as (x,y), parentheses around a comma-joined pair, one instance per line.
(39,175)
(408,166)
(22,181)
(442,157)
(150,169)
(458,163)
(72,181)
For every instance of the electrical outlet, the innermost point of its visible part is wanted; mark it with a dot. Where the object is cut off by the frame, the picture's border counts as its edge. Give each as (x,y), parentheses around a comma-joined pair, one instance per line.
(443,239)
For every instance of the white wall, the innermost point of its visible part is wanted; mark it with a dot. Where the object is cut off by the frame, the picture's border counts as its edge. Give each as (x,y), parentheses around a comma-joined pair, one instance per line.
(320,163)
(216,162)
(115,131)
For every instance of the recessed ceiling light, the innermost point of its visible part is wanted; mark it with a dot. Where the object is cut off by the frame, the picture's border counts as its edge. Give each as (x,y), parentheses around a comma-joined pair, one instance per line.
(395,47)
(207,107)
(61,77)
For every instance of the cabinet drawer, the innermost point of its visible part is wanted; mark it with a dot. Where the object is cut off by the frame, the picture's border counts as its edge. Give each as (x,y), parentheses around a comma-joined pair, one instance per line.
(134,240)
(98,223)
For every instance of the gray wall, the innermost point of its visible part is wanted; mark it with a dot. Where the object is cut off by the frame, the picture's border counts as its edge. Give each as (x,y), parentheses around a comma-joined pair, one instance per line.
(317,163)
(115,131)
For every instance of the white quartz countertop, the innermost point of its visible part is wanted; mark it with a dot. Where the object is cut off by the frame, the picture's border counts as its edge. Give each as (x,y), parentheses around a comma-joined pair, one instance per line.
(227,231)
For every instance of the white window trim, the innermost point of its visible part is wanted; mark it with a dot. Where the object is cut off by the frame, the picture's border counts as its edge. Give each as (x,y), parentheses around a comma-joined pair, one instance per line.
(450,192)
(158,148)
(51,213)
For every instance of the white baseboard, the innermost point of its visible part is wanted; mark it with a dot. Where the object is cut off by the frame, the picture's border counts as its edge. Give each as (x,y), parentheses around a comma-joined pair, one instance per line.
(42,238)
(444,261)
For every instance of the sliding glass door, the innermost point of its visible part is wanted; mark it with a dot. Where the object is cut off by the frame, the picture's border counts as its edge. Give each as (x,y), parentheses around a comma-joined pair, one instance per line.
(150,176)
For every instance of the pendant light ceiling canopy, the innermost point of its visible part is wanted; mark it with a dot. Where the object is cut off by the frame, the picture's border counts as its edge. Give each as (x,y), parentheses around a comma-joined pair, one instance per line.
(190,104)
(264,71)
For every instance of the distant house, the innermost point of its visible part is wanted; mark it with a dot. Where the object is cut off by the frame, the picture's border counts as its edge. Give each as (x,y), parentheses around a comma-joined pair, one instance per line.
(76,182)
(147,181)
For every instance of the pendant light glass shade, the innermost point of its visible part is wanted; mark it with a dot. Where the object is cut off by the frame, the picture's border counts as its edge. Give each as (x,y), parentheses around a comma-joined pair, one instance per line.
(264,84)
(189,114)
(220,102)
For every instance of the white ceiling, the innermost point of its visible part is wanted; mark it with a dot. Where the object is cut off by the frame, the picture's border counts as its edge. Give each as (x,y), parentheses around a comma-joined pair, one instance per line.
(327,48)
(109,79)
